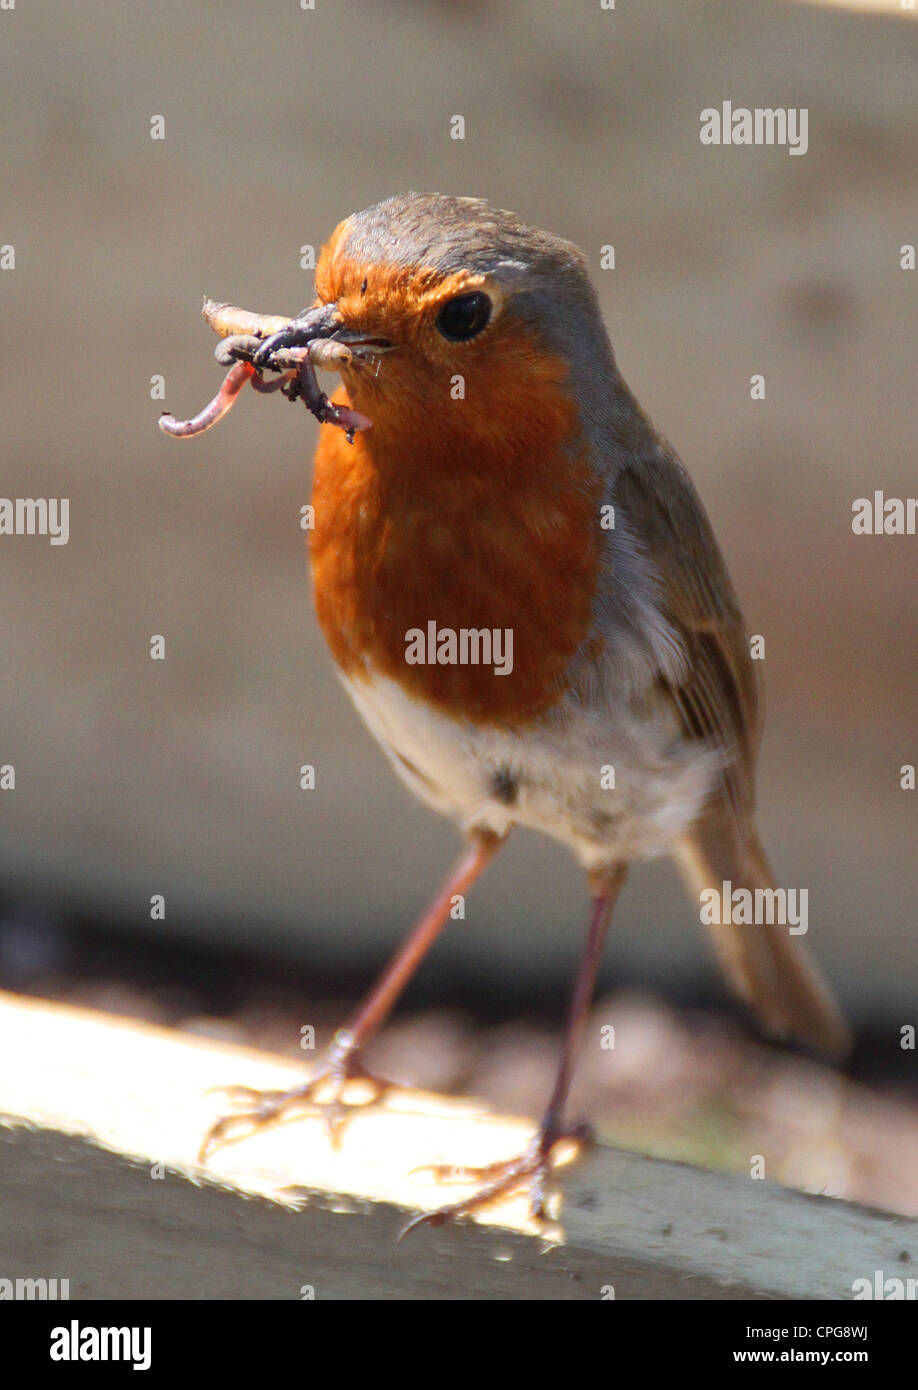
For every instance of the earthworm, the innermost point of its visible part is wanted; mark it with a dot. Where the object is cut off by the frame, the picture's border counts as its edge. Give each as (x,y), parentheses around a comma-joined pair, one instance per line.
(322,408)
(233,382)
(238,347)
(243,334)
(227,319)
(325,352)
(266,387)
(321,352)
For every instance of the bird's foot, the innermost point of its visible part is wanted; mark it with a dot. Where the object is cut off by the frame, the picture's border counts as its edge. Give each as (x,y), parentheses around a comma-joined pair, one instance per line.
(532,1170)
(340,1087)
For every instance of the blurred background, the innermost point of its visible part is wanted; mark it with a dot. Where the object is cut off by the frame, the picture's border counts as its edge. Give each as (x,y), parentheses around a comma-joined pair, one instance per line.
(181,777)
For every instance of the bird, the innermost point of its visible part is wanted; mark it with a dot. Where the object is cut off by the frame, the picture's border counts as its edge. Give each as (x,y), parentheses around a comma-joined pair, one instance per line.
(523,594)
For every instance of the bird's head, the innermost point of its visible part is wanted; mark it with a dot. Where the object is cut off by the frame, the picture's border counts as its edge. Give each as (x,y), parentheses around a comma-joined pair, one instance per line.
(460,319)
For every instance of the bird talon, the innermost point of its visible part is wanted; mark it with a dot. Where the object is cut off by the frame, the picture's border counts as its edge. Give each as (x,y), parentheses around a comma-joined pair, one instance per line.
(534,1168)
(340,1073)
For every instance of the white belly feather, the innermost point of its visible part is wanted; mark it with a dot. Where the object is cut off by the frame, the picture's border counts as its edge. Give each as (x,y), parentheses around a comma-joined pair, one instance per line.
(553,776)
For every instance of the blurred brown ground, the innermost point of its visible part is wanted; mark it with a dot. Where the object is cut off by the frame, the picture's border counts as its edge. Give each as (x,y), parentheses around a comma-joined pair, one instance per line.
(181,777)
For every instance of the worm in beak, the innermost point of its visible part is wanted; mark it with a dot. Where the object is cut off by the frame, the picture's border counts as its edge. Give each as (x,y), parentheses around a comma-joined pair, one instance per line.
(280,345)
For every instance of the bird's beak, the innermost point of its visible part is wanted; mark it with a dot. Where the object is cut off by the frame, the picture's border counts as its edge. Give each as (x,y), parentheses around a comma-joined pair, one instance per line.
(323,324)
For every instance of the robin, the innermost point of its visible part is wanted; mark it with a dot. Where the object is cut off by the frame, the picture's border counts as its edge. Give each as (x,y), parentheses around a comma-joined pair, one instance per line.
(526,604)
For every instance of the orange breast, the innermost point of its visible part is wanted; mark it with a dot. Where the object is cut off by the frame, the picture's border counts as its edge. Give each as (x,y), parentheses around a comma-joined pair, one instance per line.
(470,514)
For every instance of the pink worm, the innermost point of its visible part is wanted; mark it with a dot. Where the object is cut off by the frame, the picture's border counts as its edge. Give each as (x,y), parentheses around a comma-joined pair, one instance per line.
(223,401)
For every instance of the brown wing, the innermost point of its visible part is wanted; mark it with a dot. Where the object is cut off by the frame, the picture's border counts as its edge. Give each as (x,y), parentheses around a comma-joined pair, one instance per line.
(718,699)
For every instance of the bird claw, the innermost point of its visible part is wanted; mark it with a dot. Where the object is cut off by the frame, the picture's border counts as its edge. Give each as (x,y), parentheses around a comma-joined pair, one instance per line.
(534,1169)
(267,1108)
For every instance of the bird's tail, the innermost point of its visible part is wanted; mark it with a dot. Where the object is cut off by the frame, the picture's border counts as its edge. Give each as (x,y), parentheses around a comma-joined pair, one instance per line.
(767,967)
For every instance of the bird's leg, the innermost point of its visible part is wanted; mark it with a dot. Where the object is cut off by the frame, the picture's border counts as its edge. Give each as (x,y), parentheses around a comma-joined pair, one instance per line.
(532,1169)
(325,1093)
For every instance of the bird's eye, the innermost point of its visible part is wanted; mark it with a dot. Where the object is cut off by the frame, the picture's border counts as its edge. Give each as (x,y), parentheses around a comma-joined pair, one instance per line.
(464,317)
